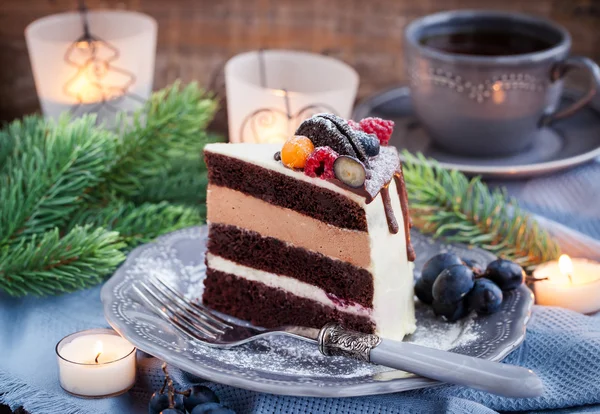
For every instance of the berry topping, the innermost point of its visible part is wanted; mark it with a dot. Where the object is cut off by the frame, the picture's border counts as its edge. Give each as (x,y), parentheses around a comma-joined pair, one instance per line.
(350,171)
(485,297)
(295,151)
(320,163)
(354,125)
(370,144)
(506,274)
(431,270)
(328,130)
(380,127)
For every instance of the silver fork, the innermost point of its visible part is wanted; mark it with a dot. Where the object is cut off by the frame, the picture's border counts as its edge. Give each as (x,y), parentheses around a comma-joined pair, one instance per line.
(199,323)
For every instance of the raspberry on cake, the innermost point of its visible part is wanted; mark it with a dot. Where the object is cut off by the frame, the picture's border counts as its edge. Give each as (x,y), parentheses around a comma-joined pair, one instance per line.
(318,237)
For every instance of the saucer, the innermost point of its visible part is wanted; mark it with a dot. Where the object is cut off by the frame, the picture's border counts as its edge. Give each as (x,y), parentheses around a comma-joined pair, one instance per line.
(566,143)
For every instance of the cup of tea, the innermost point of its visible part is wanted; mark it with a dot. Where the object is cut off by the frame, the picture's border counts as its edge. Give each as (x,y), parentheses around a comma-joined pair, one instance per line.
(483,82)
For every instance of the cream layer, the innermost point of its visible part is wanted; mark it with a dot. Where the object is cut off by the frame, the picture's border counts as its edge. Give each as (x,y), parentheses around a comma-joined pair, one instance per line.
(231,207)
(288,284)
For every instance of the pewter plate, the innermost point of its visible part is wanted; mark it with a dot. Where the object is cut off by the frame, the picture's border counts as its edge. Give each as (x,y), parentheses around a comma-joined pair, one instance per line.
(283,365)
(567,143)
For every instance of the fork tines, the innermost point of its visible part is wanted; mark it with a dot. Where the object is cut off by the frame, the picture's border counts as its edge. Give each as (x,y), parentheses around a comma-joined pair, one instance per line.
(189,317)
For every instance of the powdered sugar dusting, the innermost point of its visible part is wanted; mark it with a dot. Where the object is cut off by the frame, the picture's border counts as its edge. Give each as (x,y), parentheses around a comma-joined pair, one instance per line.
(383,167)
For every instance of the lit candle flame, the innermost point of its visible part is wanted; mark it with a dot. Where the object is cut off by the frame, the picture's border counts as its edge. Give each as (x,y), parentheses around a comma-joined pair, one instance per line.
(98,350)
(566,266)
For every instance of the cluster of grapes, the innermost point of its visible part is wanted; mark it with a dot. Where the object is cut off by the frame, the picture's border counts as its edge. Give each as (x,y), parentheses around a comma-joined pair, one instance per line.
(196,400)
(455,286)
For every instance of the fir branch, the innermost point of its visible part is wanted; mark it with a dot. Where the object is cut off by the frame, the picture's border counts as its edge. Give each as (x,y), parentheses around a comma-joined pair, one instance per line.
(185,180)
(48,174)
(138,224)
(20,135)
(447,204)
(168,127)
(50,264)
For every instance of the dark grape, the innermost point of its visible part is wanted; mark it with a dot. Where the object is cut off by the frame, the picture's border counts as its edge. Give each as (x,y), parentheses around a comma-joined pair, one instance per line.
(485,297)
(506,274)
(211,408)
(158,403)
(199,394)
(431,270)
(450,311)
(453,284)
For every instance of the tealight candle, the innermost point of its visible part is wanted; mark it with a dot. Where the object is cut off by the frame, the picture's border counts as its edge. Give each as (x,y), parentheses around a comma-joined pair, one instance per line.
(569,283)
(96,363)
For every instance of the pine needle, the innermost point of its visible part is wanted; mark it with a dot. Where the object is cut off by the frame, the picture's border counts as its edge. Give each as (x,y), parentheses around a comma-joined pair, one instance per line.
(170,126)
(447,204)
(48,174)
(139,224)
(50,264)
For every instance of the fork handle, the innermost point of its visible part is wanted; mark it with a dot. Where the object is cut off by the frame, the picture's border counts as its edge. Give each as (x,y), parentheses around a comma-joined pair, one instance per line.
(497,378)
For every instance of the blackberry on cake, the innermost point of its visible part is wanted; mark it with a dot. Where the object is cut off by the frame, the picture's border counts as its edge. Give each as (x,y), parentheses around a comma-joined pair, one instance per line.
(295,240)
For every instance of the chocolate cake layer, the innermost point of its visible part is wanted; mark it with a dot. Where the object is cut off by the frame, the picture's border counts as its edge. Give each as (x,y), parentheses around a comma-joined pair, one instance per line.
(270,307)
(248,248)
(273,187)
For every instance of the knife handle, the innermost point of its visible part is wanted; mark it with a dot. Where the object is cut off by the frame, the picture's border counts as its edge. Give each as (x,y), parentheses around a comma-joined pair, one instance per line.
(497,378)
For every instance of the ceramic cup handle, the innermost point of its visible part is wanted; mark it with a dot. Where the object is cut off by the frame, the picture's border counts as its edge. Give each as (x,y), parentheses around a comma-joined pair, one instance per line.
(560,70)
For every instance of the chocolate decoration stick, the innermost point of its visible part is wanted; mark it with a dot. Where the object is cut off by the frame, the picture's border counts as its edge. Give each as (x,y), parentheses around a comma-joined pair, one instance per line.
(389,211)
(401,187)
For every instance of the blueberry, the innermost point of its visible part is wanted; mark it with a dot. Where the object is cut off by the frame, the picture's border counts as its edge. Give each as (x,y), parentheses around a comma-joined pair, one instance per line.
(506,274)
(172,411)
(212,408)
(158,403)
(350,171)
(485,297)
(431,270)
(370,143)
(450,311)
(199,394)
(453,284)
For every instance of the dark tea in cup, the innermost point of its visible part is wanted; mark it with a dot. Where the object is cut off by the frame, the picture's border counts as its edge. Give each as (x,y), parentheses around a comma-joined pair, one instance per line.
(484,82)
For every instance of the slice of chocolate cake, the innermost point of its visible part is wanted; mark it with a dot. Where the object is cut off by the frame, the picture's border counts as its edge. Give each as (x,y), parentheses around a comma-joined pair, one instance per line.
(305,234)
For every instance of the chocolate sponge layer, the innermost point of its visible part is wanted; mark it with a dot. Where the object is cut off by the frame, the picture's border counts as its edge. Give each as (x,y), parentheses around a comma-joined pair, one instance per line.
(270,307)
(346,282)
(281,190)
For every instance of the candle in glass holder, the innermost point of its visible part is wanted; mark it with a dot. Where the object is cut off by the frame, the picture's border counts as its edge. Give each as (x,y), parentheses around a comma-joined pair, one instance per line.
(96,363)
(269,93)
(108,69)
(569,283)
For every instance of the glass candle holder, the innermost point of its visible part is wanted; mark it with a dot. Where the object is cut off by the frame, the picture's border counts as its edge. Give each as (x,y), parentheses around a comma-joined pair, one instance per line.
(96,363)
(96,61)
(270,92)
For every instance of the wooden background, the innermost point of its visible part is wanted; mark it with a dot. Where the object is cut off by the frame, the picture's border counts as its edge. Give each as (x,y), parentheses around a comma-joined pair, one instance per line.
(196,37)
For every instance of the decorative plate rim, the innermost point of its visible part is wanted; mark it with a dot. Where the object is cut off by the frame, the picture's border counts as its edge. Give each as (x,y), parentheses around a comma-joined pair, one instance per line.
(279,387)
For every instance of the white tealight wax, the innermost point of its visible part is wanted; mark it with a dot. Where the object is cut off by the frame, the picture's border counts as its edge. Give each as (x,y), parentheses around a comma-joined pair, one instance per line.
(569,283)
(96,363)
